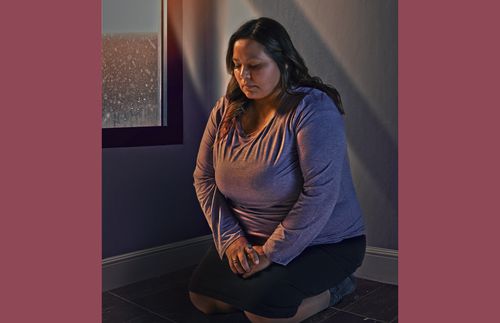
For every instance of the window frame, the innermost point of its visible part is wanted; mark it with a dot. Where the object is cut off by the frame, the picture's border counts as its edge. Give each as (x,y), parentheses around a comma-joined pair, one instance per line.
(172,132)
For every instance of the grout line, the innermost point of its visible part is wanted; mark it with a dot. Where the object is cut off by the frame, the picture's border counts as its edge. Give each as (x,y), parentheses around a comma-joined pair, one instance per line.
(348,308)
(324,319)
(140,306)
(357,301)
(330,316)
(359,315)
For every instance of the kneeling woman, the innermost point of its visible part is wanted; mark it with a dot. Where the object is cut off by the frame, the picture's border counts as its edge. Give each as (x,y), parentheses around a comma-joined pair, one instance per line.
(274,182)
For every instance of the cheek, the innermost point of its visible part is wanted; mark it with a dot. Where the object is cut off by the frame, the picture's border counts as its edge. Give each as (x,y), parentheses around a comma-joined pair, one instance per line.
(271,78)
(277,77)
(237,77)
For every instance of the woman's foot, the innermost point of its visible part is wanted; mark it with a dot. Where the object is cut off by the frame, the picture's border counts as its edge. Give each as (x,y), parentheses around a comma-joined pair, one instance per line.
(344,288)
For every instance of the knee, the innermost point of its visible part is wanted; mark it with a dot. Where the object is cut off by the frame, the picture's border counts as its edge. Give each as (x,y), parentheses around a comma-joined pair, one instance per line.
(202,303)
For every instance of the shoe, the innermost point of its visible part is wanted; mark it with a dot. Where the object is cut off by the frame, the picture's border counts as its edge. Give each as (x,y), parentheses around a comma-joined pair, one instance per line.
(345,287)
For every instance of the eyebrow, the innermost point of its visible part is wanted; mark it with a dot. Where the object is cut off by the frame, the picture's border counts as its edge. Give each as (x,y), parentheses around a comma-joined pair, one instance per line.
(251,58)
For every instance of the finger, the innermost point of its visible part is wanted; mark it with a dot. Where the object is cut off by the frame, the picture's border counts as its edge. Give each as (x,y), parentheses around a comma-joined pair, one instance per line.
(237,266)
(244,262)
(231,266)
(238,270)
(250,251)
(254,256)
(232,260)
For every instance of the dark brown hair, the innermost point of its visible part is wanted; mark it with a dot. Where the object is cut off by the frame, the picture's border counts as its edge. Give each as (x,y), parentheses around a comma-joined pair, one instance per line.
(278,45)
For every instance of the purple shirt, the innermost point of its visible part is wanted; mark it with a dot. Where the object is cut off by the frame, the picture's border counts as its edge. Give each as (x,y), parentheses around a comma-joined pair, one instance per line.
(287,186)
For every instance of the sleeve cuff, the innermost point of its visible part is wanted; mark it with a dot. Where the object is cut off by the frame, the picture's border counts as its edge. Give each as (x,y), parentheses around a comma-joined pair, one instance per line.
(272,255)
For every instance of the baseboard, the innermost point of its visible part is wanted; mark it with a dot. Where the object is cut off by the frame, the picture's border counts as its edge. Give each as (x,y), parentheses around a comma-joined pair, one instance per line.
(379,264)
(144,264)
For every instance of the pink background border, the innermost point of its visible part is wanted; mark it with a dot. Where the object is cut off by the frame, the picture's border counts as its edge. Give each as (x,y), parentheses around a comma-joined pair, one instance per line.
(447,194)
(50,232)
(50,161)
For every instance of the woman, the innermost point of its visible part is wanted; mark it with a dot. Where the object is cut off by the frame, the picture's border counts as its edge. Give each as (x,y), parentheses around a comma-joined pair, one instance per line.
(274,182)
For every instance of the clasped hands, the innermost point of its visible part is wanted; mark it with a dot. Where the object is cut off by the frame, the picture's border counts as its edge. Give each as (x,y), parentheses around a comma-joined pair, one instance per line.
(245,259)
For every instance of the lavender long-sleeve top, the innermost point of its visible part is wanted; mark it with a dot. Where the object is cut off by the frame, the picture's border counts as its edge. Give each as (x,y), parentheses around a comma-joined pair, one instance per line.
(288,186)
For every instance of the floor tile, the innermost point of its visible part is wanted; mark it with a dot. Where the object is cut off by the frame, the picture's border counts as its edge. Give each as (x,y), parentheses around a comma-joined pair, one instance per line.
(229,318)
(175,280)
(363,288)
(381,304)
(168,296)
(109,300)
(321,316)
(241,318)
(345,317)
(145,318)
(166,299)
(116,310)
(171,303)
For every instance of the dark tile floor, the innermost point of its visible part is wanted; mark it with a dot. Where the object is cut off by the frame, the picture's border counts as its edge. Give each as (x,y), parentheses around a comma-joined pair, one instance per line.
(165,299)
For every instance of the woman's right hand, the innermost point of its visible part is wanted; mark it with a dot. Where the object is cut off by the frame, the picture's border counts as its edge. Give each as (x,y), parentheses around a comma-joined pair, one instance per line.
(237,254)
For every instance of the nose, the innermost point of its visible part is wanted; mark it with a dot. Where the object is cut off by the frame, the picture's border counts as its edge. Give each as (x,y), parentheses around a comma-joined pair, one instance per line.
(244,73)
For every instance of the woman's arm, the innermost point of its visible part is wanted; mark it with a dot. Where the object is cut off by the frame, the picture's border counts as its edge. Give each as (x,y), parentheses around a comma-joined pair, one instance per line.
(321,146)
(225,227)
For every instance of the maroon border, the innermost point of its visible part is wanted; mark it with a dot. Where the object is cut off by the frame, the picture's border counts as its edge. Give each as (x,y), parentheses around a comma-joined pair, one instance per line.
(50,210)
(449,158)
(50,164)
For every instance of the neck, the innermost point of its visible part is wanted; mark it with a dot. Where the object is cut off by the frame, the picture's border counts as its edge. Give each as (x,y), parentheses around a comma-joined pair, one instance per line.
(266,105)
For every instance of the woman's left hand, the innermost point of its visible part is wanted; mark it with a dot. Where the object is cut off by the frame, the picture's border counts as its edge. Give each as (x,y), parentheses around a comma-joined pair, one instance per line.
(264,262)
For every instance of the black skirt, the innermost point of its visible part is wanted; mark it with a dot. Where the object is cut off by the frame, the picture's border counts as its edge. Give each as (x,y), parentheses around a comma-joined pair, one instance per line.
(277,291)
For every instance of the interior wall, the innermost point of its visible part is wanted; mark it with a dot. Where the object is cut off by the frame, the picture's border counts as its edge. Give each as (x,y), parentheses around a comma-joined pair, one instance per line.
(148,197)
(148,194)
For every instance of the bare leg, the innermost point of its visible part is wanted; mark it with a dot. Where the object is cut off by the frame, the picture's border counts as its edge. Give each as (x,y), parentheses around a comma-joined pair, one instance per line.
(307,308)
(209,305)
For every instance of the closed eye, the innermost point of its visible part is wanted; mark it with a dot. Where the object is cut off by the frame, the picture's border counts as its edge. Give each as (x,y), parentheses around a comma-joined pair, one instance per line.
(252,67)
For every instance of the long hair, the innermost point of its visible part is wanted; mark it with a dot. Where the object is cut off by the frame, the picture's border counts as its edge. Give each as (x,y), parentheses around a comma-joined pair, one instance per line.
(293,71)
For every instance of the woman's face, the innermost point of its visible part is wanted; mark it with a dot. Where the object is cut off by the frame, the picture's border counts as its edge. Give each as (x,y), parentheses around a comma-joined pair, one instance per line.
(256,72)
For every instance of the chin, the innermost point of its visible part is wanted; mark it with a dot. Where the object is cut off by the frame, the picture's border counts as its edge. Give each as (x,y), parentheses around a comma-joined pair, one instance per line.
(250,95)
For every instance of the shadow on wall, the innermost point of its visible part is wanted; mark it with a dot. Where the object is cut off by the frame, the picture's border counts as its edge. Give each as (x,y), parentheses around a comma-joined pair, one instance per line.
(369,140)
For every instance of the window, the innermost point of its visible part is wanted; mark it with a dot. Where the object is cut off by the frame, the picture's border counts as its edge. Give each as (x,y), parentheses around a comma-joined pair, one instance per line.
(141,73)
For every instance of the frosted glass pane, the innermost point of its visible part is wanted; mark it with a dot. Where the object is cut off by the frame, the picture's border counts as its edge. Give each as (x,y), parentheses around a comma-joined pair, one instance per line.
(131,65)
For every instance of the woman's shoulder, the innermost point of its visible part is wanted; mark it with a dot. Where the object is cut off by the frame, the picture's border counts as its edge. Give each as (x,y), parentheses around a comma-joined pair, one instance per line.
(219,108)
(307,90)
(316,109)
(313,99)
(220,105)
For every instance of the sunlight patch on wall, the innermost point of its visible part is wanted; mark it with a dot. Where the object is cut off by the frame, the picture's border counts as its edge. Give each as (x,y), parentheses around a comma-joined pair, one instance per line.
(363,44)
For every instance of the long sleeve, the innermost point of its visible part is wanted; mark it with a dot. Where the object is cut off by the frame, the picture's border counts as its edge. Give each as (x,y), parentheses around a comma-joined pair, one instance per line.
(321,147)
(225,227)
